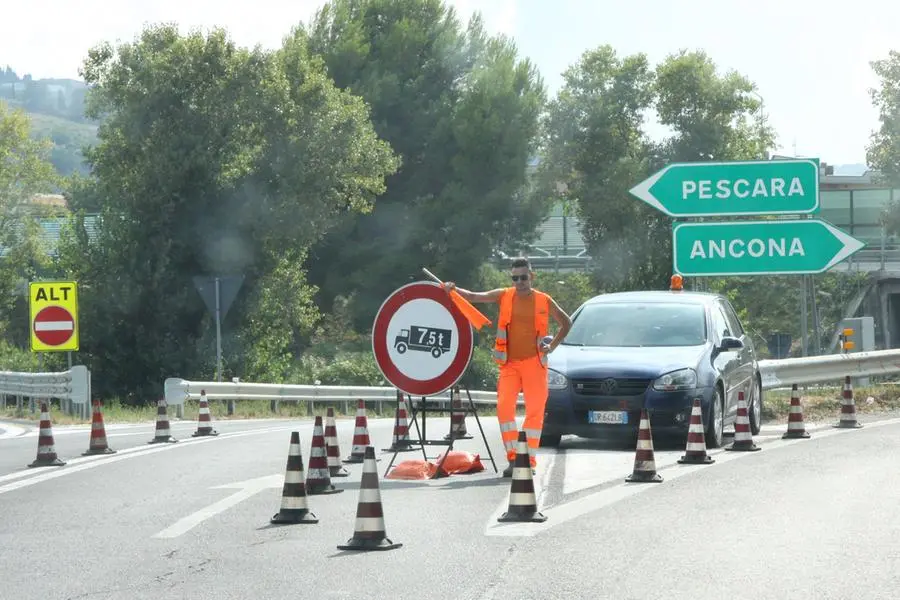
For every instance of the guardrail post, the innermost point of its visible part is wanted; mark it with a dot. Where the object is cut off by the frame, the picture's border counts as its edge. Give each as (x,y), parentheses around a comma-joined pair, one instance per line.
(19,410)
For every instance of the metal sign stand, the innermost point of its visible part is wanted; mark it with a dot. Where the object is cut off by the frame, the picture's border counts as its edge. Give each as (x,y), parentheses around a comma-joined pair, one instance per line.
(447,441)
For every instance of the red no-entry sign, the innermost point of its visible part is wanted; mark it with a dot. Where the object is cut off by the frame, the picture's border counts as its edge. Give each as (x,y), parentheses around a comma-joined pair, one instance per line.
(421,344)
(54,325)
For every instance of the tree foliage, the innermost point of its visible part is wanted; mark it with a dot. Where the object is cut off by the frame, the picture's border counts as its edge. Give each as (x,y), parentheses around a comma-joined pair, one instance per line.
(462,111)
(212,159)
(25,170)
(596,146)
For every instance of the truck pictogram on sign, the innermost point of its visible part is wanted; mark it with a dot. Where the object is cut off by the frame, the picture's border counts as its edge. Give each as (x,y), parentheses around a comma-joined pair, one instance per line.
(424,339)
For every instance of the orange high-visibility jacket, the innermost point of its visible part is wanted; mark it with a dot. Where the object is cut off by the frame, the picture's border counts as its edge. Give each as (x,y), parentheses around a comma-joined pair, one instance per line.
(541,323)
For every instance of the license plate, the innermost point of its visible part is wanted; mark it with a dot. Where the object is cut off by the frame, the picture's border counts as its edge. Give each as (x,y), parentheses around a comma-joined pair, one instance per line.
(609,417)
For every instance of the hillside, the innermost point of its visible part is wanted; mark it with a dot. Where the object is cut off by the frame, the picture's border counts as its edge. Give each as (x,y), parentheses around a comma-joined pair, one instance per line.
(56,109)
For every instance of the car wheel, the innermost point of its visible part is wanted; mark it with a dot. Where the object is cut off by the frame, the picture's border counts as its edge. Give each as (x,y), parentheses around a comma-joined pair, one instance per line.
(715,430)
(755,408)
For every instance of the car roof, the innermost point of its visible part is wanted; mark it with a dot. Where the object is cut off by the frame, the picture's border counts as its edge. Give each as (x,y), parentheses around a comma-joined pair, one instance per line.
(679,296)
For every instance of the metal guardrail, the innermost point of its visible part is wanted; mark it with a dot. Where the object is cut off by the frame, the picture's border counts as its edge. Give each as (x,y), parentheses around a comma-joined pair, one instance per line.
(776,373)
(72,388)
(783,372)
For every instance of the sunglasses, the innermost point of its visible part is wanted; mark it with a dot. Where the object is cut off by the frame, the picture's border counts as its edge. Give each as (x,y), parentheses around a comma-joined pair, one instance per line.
(520,277)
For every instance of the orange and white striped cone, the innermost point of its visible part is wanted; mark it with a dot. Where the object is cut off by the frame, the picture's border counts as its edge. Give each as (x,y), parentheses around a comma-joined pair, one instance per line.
(848,408)
(294,508)
(46,451)
(98,444)
(360,435)
(695,451)
(369,532)
(318,478)
(644,459)
(522,499)
(401,442)
(204,420)
(333,448)
(163,433)
(796,429)
(458,429)
(743,439)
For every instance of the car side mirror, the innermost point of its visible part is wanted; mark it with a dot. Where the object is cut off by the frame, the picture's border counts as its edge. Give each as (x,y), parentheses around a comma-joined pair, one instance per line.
(731,343)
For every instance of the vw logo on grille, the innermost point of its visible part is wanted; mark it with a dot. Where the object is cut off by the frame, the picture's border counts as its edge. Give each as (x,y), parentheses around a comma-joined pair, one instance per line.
(608,386)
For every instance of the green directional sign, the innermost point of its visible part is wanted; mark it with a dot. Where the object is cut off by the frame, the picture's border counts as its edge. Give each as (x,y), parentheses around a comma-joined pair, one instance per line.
(759,247)
(759,187)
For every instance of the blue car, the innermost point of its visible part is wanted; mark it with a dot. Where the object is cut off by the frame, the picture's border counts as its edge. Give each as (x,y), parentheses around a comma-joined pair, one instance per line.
(657,350)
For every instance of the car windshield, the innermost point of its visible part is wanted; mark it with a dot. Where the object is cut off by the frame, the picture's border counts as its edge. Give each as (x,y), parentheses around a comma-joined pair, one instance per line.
(638,324)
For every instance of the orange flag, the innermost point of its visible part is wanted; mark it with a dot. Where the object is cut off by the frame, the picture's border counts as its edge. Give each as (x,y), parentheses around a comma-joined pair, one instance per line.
(472,314)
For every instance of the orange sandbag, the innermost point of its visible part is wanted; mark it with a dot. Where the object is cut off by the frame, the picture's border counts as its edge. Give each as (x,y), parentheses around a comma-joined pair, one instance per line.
(412,469)
(459,461)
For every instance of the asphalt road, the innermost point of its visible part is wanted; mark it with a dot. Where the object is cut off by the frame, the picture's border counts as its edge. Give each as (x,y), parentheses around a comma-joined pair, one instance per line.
(810,518)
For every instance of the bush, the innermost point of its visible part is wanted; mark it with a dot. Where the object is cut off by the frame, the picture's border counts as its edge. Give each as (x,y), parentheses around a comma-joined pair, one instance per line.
(343,368)
(17,359)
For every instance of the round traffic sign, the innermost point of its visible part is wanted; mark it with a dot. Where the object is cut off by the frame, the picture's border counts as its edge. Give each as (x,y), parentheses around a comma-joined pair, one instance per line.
(421,343)
(54,325)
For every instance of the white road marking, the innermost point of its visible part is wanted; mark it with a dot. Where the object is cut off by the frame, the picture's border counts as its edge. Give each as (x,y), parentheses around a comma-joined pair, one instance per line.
(248,489)
(90,462)
(11,431)
(567,511)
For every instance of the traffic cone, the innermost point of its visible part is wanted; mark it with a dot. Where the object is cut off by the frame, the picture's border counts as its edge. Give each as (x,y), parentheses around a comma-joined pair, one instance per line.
(98,444)
(46,452)
(796,429)
(848,408)
(204,424)
(360,435)
(333,448)
(695,451)
(318,479)
(644,460)
(457,418)
(163,433)
(522,500)
(293,495)
(369,532)
(743,439)
(401,428)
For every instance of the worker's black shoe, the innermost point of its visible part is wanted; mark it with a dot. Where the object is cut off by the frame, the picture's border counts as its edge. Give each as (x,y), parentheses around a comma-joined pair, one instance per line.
(507,472)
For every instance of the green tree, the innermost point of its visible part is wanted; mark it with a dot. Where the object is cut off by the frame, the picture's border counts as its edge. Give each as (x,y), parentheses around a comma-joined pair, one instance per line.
(25,170)
(211,159)
(462,110)
(884,148)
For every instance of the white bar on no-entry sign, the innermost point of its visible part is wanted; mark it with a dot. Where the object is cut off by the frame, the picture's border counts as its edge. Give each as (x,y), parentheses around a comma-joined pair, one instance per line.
(54,326)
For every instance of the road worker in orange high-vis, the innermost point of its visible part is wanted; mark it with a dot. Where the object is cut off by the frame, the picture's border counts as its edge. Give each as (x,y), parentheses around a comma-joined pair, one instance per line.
(521,352)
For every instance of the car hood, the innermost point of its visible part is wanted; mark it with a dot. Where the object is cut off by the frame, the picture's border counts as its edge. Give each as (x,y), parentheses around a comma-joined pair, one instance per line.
(605,361)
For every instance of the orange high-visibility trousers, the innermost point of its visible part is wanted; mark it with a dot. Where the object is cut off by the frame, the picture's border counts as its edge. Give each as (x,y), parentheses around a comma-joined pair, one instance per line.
(528,376)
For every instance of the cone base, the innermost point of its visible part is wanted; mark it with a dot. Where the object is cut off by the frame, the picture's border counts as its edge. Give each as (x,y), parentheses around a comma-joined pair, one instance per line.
(96,451)
(338,472)
(44,462)
(210,432)
(743,447)
(355,543)
(706,459)
(294,516)
(163,440)
(353,460)
(796,435)
(464,436)
(312,491)
(848,425)
(517,517)
(640,477)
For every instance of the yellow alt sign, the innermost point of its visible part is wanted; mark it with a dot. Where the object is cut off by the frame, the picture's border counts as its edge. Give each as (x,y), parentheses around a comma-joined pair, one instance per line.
(53,307)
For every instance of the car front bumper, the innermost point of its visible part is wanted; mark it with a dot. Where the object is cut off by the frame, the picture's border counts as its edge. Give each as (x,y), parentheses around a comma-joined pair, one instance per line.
(669,412)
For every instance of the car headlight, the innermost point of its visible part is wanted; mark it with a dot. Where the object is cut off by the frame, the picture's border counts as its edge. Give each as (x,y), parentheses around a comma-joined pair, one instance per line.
(682,379)
(556,380)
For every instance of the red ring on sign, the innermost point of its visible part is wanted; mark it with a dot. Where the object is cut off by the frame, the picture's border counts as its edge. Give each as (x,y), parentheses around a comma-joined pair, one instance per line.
(421,290)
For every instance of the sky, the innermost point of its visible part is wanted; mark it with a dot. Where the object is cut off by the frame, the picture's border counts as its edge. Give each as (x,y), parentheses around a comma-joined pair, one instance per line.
(809,59)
